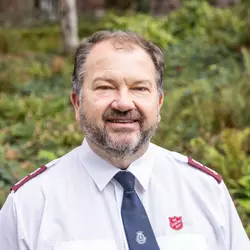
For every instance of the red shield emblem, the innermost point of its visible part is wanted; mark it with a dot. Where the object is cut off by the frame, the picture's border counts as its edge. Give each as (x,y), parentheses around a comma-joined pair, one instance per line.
(176,222)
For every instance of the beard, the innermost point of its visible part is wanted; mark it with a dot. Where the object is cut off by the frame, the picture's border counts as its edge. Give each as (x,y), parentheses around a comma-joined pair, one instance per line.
(119,147)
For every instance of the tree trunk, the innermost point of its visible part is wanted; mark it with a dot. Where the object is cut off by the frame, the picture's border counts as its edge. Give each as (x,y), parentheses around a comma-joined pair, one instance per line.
(120,4)
(69,25)
(163,7)
(37,4)
(226,3)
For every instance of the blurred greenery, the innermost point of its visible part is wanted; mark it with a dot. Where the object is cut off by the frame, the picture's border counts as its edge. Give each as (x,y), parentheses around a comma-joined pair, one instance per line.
(207,92)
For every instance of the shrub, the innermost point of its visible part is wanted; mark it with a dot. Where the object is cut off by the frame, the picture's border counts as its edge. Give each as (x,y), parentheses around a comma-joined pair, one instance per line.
(206,110)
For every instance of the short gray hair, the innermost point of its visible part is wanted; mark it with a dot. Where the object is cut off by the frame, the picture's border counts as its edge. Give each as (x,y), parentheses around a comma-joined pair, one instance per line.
(85,46)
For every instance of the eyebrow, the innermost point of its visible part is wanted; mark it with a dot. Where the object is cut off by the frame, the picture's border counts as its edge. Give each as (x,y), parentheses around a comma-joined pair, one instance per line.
(143,82)
(112,80)
(104,78)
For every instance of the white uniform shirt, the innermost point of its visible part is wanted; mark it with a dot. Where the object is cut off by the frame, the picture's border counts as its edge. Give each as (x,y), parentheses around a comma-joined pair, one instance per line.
(75,204)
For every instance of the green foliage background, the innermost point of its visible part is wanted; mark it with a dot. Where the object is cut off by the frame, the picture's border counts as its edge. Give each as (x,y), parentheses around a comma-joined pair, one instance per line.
(206,113)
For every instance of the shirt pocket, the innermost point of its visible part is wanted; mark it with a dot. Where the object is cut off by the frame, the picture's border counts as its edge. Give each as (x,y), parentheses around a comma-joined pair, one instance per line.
(183,242)
(86,245)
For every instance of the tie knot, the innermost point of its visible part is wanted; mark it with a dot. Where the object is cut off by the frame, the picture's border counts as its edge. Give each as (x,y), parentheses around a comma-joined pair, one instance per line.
(126,179)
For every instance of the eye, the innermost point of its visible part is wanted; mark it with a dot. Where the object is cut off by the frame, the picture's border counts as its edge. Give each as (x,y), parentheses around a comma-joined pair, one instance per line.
(104,87)
(141,89)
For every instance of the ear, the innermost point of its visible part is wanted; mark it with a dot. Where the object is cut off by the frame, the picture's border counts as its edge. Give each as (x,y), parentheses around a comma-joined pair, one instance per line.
(160,101)
(74,98)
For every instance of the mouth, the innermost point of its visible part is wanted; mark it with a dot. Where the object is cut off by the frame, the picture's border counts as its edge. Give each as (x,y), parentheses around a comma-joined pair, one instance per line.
(123,125)
(123,121)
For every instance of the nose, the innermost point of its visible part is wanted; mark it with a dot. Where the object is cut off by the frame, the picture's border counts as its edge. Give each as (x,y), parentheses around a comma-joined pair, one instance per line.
(123,101)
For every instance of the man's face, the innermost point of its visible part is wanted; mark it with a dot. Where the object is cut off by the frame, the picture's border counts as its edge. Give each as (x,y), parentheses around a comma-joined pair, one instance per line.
(119,104)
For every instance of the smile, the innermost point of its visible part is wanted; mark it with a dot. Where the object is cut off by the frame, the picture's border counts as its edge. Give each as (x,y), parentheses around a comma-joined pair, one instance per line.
(122,121)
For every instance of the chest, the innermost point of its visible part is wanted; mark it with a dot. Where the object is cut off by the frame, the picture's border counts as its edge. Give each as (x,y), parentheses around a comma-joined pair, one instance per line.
(90,219)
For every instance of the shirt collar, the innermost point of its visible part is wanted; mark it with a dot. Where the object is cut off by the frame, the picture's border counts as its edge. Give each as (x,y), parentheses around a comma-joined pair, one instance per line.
(102,171)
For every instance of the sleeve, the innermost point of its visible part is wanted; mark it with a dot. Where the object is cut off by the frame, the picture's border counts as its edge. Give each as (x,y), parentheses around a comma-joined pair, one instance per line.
(235,237)
(11,236)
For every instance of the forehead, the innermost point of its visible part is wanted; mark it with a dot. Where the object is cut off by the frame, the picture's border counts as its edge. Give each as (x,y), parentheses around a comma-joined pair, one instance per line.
(119,57)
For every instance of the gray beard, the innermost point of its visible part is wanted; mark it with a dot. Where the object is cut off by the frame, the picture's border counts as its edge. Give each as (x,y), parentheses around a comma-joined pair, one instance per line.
(100,137)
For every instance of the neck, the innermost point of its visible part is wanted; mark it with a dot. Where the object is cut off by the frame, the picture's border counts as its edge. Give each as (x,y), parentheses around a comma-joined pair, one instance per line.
(119,162)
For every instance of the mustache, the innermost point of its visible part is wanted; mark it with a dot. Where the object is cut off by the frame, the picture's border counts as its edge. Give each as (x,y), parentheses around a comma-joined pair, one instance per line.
(112,114)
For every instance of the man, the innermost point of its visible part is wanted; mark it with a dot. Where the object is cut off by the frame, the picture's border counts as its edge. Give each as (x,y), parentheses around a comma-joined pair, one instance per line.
(117,190)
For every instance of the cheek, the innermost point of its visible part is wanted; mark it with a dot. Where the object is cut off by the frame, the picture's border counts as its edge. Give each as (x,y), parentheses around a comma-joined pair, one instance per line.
(150,115)
(95,108)
(150,109)
(99,99)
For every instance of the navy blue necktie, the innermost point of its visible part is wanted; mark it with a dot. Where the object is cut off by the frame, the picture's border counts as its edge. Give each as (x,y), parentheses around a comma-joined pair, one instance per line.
(139,233)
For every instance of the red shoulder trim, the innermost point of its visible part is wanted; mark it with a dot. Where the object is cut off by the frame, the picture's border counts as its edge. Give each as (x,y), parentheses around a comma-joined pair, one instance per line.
(205,169)
(29,177)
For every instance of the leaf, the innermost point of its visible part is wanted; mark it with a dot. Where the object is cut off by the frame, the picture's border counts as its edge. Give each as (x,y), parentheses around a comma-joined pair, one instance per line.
(46,155)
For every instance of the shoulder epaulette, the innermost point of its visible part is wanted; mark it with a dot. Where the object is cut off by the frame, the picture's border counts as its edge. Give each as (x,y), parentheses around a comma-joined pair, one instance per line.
(29,177)
(33,174)
(204,169)
(198,165)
